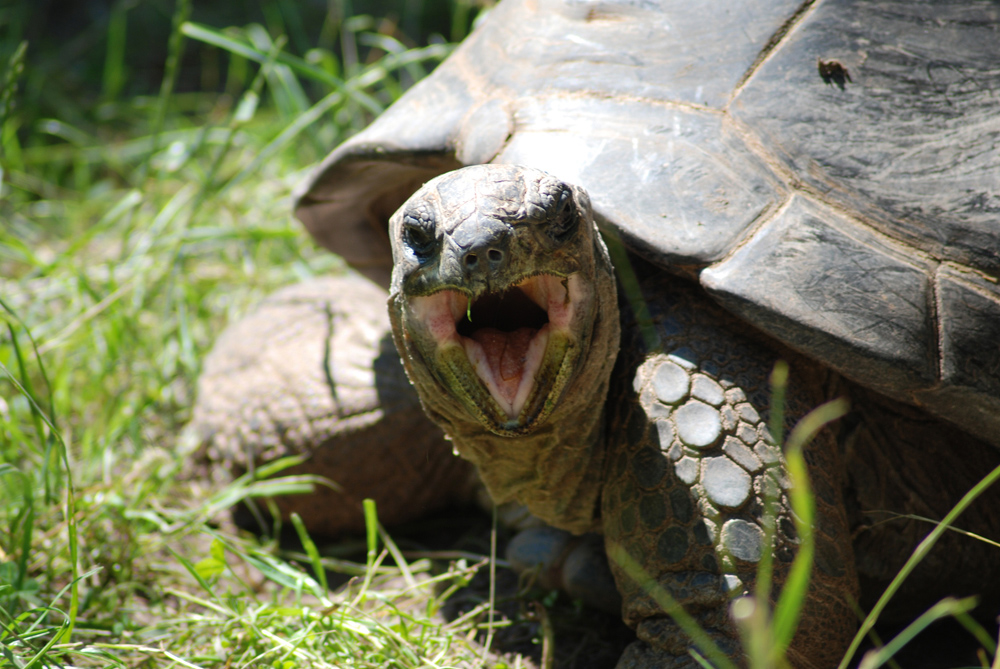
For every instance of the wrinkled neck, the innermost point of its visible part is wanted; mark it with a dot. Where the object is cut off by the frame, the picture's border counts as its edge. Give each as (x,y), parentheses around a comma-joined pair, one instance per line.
(556,472)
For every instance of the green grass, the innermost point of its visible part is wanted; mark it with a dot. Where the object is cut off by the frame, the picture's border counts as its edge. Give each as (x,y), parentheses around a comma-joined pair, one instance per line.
(136,220)
(133,229)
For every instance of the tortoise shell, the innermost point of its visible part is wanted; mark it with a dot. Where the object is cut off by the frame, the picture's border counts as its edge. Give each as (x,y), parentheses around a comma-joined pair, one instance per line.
(829,171)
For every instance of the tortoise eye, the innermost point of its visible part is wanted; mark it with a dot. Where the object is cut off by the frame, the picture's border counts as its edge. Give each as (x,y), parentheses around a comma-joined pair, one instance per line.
(419,236)
(566,218)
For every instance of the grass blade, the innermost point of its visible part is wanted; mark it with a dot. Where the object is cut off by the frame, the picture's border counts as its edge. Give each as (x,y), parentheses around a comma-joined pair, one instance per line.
(290,132)
(114,57)
(175,49)
(948,607)
(765,568)
(918,554)
(663,598)
(310,548)
(794,592)
(211,36)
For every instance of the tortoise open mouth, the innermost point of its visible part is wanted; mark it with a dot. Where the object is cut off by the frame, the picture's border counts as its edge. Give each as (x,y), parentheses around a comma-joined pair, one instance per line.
(515,340)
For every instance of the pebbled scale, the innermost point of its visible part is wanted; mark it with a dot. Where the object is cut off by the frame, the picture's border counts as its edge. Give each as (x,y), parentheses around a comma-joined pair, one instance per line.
(687,477)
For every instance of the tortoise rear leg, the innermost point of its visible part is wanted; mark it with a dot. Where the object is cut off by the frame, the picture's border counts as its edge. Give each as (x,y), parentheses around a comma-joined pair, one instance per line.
(686,479)
(313,372)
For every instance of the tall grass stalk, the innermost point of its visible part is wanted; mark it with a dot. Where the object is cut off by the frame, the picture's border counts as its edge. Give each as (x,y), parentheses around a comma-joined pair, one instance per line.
(175,49)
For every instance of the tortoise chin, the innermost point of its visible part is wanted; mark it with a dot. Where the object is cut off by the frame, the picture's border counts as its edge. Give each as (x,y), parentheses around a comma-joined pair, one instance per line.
(506,355)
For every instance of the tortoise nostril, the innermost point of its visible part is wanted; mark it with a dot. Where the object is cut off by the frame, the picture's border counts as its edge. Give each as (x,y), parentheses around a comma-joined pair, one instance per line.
(492,259)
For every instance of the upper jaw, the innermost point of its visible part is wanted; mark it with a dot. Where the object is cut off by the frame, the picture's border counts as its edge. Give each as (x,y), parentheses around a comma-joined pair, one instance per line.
(509,352)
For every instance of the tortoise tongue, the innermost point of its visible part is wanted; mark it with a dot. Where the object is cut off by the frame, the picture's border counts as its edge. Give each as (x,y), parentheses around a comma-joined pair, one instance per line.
(506,354)
(507,362)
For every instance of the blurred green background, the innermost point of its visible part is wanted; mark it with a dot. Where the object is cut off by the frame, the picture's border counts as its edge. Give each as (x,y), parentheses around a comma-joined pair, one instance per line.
(85,54)
(94,66)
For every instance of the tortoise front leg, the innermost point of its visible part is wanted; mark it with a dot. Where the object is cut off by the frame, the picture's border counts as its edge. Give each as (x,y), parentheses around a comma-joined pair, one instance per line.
(683,503)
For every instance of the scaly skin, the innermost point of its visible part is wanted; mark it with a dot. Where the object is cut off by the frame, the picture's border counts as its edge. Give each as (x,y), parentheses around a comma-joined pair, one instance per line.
(689,515)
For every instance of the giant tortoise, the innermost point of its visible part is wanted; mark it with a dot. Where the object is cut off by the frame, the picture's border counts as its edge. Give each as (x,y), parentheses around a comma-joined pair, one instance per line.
(817,182)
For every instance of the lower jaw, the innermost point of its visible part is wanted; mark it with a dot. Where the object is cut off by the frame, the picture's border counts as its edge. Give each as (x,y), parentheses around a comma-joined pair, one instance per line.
(550,379)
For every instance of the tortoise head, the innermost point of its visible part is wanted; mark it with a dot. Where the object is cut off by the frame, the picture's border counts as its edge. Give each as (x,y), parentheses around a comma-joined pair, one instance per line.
(502,301)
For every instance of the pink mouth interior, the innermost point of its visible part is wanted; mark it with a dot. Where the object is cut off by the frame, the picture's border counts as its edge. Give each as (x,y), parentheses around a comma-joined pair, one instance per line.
(506,337)
(505,355)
